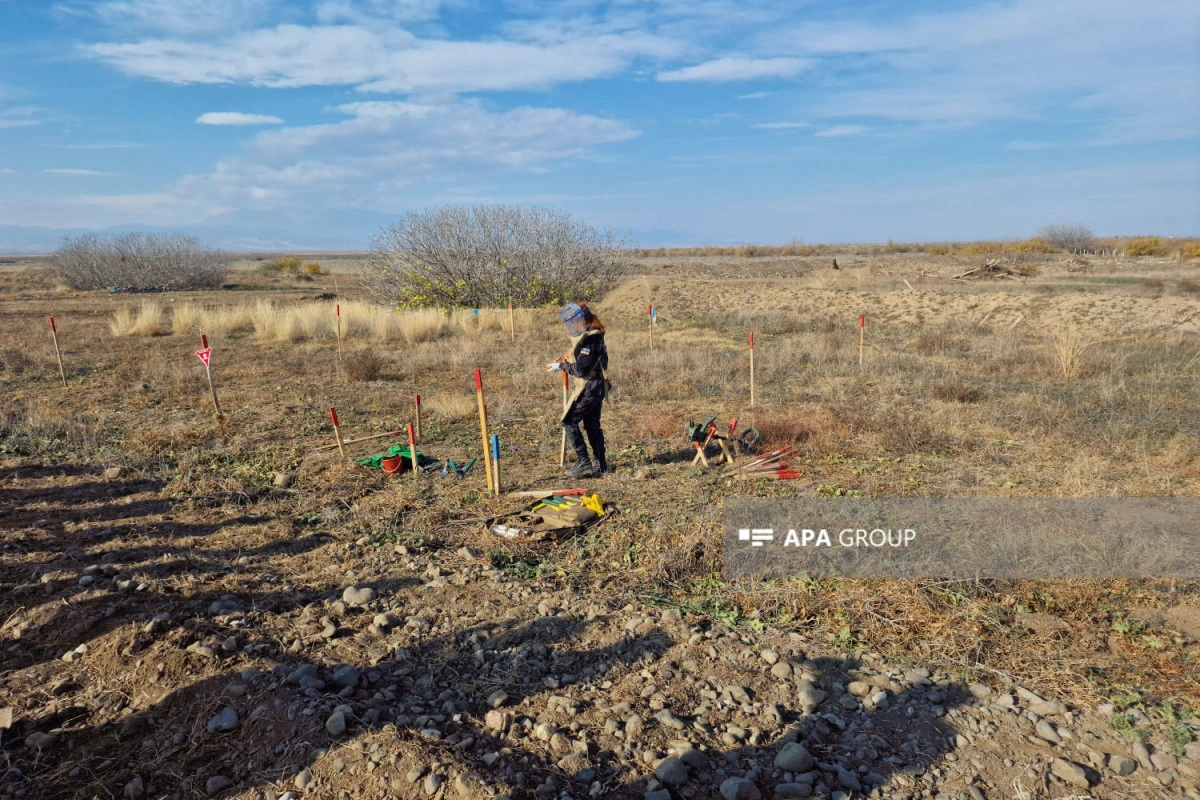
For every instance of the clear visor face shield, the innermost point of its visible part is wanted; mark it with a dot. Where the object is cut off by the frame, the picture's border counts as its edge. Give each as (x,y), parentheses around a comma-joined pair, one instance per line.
(573,318)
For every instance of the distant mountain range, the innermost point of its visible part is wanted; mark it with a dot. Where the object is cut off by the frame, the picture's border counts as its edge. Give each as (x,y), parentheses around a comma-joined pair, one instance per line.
(339,230)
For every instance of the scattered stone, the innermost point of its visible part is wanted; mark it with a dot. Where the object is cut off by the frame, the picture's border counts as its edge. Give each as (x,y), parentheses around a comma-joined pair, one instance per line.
(794,757)
(346,677)
(1163,761)
(739,789)
(358,596)
(470,784)
(226,720)
(432,784)
(113,473)
(665,717)
(809,697)
(1046,730)
(770,656)
(135,789)
(1072,773)
(283,480)
(672,771)
(497,698)
(1121,765)
(793,790)
(303,779)
(657,794)
(336,724)
(217,784)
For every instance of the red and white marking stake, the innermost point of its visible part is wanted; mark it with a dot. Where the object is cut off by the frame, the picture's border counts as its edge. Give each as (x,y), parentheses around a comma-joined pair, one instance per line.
(483,428)
(862,338)
(205,355)
(562,450)
(512,323)
(650,318)
(417,408)
(58,353)
(412,451)
(752,369)
(337,431)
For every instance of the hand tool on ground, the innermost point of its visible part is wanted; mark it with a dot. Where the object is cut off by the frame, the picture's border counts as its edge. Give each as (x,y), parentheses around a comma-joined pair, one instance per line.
(450,467)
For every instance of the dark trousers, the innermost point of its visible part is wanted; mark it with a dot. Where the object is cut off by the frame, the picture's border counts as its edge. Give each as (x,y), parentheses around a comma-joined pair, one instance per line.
(586,411)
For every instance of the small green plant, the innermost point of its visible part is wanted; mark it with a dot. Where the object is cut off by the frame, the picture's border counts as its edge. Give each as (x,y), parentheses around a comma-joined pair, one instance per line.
(1125,696)
(1124,726)
(1132,627)
(845,638)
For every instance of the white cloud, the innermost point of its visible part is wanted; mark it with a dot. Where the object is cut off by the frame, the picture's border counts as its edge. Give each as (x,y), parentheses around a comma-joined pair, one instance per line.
(378,154)
(841,130)
(7,171)
(780,126)
(236,118)
(87,173)
(18,117)
(177,17)
(734,68)
(379,58)
(754,96)
(1131,67)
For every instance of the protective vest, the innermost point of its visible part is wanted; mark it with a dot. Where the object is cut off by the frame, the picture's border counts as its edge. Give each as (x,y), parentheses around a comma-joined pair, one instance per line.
(579,383)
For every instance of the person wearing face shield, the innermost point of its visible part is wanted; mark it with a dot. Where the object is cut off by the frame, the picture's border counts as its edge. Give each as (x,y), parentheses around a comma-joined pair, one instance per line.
(587,364)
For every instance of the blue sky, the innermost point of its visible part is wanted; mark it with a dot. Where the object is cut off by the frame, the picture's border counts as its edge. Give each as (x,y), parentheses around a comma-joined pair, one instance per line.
(272,124)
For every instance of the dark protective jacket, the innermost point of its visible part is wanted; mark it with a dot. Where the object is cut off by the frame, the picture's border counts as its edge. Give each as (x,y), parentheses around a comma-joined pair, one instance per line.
(587,368)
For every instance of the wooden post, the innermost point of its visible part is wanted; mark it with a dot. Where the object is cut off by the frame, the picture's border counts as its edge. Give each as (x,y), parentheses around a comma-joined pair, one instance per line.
(417,407)
(496,462)
(207,359)
(58,353)
(562,450)
(751,369)
(337,431)
(338,308)
(862,337)
(512,323)
(412,451)
(483,431)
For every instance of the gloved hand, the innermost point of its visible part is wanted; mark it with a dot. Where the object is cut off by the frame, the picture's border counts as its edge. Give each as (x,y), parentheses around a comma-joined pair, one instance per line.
(554,366)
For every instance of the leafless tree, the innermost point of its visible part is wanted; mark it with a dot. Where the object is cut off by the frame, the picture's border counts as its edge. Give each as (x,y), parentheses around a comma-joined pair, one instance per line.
(1075,238)
(139,262)
(477,256)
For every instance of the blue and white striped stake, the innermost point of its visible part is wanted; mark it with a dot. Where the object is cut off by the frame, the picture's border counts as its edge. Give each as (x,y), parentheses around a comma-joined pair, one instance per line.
(496,461)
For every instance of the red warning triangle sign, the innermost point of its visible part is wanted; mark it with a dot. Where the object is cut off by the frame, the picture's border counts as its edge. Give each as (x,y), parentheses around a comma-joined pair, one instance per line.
(205,355)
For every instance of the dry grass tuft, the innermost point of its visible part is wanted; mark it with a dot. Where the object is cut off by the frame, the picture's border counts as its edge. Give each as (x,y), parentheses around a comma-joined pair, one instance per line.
(1069,348)
(957,390)
(149,320)
(365,365)
(423,325)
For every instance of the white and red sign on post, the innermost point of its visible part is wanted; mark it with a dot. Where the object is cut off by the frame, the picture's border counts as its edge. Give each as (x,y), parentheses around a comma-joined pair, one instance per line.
(205,355)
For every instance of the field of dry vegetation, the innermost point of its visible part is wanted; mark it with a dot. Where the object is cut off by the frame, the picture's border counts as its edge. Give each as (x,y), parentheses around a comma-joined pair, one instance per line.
(1077,380)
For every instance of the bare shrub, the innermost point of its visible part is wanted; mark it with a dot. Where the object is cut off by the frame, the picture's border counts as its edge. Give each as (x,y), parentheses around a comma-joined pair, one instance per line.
(1073,238)
(481,256)
(139,262)
(1188,287)
(365,365)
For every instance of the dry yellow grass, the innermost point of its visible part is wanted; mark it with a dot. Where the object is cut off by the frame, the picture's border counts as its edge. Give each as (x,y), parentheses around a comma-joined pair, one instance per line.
(148,320)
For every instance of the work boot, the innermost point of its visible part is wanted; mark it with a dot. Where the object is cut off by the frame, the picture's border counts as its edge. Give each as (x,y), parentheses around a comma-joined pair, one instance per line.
(582,469)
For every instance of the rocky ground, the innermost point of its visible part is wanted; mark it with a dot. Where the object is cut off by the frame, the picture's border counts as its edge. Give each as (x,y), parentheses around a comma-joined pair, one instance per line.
(152,649)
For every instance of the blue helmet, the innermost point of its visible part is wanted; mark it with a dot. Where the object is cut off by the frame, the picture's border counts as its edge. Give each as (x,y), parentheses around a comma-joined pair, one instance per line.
(574,318)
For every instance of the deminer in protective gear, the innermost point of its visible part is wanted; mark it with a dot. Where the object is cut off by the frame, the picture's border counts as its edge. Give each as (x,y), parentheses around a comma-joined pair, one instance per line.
(587,364)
